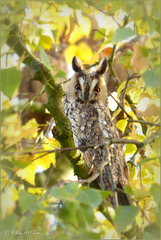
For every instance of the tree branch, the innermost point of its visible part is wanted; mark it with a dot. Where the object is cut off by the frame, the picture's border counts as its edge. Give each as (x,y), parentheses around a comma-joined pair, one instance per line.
(144,143)
(55,95)
(109,142)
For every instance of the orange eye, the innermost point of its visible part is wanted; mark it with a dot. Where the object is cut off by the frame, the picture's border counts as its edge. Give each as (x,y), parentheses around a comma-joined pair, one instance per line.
(78,87)
(96,89)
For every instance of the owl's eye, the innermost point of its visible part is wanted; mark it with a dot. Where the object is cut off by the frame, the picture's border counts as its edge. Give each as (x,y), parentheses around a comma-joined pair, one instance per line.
(96,89)
(78,87)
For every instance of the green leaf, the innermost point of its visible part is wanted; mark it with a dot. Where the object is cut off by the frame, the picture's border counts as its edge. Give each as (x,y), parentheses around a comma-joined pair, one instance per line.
(152,232)
(10,79)
(100,34)
(44,58)
(105,193)
(68,192)
(124,216)
(90,196)
(5,30)
(155,192)
(8,224)
(60,74)
(122,34)
(126,59)
(130,149)
(27,201)
(88,213)
(68,213)
(55,32)
(140,193)
(128,190)
(81,217)
(152,78)
(121,124)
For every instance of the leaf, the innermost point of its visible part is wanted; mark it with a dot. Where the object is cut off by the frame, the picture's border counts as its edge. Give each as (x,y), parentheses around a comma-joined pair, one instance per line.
(84,51)
(68,213)
(155,192)
(125,216)
(55,33)
(121,88)
(28,173)
(4,33)
(121,124)
(140,193)
(152,232)
(130,149)
(44,58)
(10,79)
(100,34)
(128,190)
(122,34)
(8,224)
(67,192)
(105,193)
(27,201)
(90,196)
(152,78)
(60,74)
(88,213)
(45,42)
(81,30)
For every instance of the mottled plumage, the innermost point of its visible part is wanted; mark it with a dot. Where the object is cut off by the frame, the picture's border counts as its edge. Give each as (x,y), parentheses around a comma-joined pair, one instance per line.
(86,106)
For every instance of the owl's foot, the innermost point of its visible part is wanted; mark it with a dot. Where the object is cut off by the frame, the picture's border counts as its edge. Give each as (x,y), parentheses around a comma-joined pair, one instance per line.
(91,169)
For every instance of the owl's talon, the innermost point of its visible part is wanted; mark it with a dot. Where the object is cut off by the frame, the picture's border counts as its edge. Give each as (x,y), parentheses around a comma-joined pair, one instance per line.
(91,169)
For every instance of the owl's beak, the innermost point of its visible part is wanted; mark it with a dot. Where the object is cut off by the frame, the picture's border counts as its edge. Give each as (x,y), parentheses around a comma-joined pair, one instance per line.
(86,96)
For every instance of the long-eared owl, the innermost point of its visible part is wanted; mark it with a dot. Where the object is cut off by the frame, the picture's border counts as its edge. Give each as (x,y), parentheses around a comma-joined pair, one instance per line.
(86,106)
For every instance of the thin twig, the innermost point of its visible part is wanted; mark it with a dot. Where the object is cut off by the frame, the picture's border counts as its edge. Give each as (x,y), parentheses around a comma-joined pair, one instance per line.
(119,104)
(135,75)
(96,30)
(110,63)
(130,118)
(144,143)
(50,172)
(109,142)
(144,122)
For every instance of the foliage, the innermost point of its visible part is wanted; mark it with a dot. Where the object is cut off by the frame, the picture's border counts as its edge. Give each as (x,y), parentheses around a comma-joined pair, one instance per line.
(41,196)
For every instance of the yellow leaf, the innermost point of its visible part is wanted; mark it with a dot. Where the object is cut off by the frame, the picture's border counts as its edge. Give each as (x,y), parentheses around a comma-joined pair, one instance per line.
(93,59)
(37,191)
(14,194)
(80,31)
(28,173)
(84,52)
(130,149)
(45,42)
(140,193)
(6,104)
(121,124)
(70,52)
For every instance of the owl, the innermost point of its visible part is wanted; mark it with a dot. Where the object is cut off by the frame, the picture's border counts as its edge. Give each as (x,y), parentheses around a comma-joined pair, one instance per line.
(86,106)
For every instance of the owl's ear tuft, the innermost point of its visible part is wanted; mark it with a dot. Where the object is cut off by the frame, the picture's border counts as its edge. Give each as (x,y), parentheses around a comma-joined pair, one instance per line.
(77,64)
(102,66)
